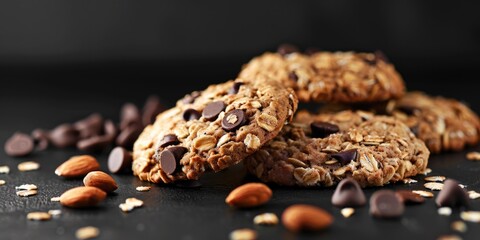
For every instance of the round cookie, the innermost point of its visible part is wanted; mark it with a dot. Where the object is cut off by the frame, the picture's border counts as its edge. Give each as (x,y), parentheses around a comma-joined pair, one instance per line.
(346,77)
(374,150)
(212,129)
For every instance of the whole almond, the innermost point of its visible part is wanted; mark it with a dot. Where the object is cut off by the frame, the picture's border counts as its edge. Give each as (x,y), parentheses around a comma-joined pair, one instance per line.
(81,197)
(300,217)
(100,180)
(249,195)
(77,166)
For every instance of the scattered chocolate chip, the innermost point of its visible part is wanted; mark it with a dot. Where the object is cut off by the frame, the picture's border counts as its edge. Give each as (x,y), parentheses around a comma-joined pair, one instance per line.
(95,143)
(191,114)
(348,194)
(323,129)
(235,88)
(233,120)
(110,130)
(167,140)
(188,184)
(168,162)
(286,49)
(90,126)
(65,135)
(129,115)
(385,204)
(178,151)
(151,109)
(211,111)
(409,197)
(190,98)
(380,56)
(19,145)
(127,137)
(345,157)
(40,138)
(119,160)
(452,195)
(311,50)
(293,76)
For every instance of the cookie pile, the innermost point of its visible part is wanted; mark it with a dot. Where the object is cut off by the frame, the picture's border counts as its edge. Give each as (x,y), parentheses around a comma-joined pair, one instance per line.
(368,127)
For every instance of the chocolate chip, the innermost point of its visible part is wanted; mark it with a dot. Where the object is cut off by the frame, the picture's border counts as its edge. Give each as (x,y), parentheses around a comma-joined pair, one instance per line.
(409,197)
(65,135)
(323,129)
(286,49)
(385,204)
(211,111)
(293,76)
(19,145)
(452,195)
(40,138)
(234,89)
(190,98)
(191,114)
(188,184)
(151,109)
(127,137)
(119,160)
(129,115)
(167,140)
(168,162)
(234,120)
(110,130)
(95,143)
(345,157)
(90,126)
(178,152)
(348,194)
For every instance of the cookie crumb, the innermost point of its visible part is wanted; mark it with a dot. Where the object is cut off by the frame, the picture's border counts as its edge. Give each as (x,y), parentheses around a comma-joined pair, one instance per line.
(427,171)
(459,226)
(473,195)
(87,232)
(347,212)
(409,181)
(143,188)
(38,216)
(266,219)
(473,156)
(445,211)
(435,186)
(28,166)
(471,216)
(4,169)
(243,234)
(422,193)
(435,179)
(55,212)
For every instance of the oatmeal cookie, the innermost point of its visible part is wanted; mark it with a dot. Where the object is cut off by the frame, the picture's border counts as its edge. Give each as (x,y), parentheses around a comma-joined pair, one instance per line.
(212,129)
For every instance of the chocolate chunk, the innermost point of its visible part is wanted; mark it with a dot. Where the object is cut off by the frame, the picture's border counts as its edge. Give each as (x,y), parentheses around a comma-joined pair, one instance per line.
(211,111)
(188,184)
(345,157)
(151,109)
(120,160)
(293,76)
(110,130)
(191,114)
(452,195)
(167,140)
(127,137)
(40,138)
(95,143)
(129,115)
(235,88)
(90,126)
(323,129)
(409,197)
(168,162)
(234,120)
(385,204)
(19,145)
(65,135)
(286,49)
(348,194)
(178,152)
(190,98)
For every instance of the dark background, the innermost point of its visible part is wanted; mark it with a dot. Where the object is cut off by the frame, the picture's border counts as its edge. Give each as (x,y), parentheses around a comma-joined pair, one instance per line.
(56,58)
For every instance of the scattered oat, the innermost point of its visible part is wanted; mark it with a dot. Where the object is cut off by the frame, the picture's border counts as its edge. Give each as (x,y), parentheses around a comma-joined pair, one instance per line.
(38,216)
(26,193)
(2,182)
(474,156)
(409,181)
(435,179)
(445,211)
(266,219)
(55,199)
(459,226)
(55,212)
(462,186)
(126,207)
(87,232)
(28,166)
(347,212)
(435,186)
(422,193)
(4,169)
(473,195)
(26,187)
(471,216)
(427,171)
(143,188)
(243,234)
(134,202)
(449,237)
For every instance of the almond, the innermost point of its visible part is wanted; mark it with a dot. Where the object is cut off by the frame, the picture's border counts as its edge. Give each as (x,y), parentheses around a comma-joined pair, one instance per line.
(77,166)
(80,197)
(300,217)
(100,180)
(249,195)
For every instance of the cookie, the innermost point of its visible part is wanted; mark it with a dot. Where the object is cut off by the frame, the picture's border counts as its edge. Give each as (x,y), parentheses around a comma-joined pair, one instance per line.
(346,77)
(212,129)
(374,150)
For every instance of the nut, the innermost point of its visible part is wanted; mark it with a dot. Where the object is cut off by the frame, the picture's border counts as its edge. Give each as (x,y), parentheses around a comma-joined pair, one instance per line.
(77,166)
(80,197)
(267,122)
(100,180)
(249,195)
(300,217)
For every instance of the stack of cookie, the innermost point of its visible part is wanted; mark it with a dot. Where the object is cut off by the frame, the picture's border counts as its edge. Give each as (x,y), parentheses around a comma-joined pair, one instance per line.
(368,128)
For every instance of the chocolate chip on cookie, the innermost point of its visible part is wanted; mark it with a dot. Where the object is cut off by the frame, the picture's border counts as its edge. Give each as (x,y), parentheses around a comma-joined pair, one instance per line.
(211,111)
(167,160)
(191,114)
(167,140)
(233,120)
(345,157)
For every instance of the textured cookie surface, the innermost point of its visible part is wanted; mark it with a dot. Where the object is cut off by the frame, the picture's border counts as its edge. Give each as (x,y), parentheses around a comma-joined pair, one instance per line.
(374,150)
(212,129)
(330,77)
